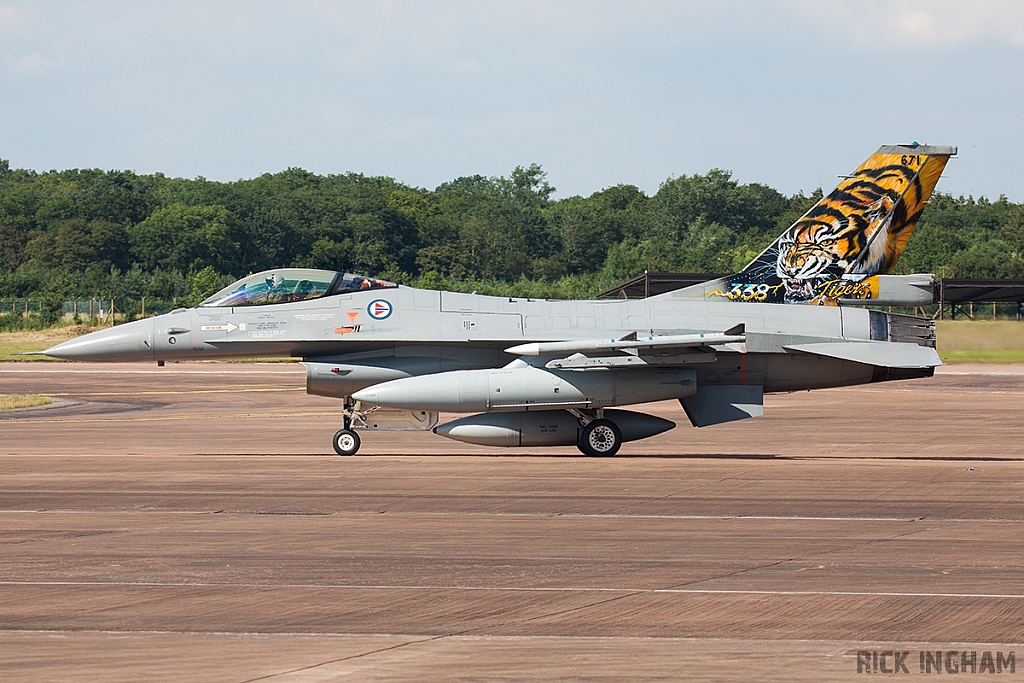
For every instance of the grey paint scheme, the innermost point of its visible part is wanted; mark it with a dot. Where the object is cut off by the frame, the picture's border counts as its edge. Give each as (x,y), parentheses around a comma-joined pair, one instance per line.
(430,331)
(520,386)
(716,404)
(416,352)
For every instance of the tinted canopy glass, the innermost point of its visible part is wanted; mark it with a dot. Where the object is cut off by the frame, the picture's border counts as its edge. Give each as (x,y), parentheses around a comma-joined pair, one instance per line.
(274,287)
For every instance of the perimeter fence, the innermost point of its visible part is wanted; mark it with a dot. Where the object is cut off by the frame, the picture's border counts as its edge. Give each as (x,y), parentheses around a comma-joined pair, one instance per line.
(33,312)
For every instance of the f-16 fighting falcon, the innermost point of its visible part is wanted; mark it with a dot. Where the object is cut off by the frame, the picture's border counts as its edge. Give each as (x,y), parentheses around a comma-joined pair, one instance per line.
(554,373)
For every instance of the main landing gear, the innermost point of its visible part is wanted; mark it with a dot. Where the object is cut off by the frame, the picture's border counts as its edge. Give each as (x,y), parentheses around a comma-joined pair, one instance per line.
(599,438)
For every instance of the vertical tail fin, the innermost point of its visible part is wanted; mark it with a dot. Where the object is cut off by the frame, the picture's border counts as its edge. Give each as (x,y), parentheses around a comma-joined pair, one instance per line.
(855,233)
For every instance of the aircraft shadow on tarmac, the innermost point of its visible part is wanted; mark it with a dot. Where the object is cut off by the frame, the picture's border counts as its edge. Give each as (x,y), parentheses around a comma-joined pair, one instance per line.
(628,456)
(620,456)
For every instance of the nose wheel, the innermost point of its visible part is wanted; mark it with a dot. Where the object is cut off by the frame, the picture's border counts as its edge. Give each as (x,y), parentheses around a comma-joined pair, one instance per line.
(346,442)
(599,439)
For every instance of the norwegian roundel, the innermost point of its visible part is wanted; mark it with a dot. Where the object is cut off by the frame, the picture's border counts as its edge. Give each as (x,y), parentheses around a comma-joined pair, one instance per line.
(379,309)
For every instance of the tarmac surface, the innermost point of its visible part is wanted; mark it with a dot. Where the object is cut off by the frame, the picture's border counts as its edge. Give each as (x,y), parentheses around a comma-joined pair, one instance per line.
(191,523)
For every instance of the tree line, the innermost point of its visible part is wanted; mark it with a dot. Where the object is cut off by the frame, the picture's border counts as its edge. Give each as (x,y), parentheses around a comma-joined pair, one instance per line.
(87,232)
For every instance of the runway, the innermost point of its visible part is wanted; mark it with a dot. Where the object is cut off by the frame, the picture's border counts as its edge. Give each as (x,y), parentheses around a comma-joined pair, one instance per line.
(187,523)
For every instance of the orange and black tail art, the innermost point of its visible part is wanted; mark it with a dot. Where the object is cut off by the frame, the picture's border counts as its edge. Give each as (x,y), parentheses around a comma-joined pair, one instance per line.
(858,231)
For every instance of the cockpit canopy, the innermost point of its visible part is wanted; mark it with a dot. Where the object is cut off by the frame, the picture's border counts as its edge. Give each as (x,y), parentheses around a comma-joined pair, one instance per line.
(285,285)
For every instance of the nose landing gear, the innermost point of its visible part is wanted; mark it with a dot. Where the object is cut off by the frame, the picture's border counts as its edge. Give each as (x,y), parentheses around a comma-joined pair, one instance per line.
(346,441)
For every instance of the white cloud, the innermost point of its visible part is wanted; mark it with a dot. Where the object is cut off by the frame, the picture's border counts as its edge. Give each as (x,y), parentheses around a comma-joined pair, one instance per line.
(33,63)
(919,24)
(11,19)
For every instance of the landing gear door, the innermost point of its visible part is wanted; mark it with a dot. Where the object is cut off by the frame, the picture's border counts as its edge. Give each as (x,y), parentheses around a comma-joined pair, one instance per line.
(389,420)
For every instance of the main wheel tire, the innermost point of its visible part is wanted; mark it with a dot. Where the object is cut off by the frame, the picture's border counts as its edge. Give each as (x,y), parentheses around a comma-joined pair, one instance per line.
(346,442)
(600,439)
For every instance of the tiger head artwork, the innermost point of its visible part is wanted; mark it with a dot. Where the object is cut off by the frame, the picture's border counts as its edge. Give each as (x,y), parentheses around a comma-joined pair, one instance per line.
(840,241)
(859,230)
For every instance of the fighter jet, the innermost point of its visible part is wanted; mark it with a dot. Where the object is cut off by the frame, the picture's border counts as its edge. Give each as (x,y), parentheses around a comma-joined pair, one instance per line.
(538,372)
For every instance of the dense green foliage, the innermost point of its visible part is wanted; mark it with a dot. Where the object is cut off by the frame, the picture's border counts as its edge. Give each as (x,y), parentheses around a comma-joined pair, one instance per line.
(116,233)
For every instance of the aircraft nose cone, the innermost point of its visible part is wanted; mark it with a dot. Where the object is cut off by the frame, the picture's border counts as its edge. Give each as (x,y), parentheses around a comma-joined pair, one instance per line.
(132,341)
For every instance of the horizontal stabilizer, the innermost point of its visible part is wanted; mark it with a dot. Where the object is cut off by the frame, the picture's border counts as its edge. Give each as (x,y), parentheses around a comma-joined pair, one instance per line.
(881,354)
(585,345)
(713,405)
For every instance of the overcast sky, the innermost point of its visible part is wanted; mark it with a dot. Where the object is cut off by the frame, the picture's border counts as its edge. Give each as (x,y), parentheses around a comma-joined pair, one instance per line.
(789,93)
